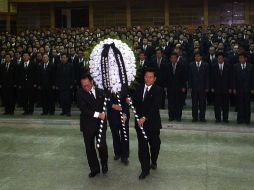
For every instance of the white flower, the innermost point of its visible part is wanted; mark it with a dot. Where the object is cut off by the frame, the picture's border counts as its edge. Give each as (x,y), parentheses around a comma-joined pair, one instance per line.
(114,76)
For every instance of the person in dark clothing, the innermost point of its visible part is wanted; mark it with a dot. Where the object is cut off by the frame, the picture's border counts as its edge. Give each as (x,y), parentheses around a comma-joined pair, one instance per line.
(90,102)
(8,84)
(46,84)
(175,77)
(147,100)
(27,81)
(243,87)
(221,86)
(198,85)
(64,83)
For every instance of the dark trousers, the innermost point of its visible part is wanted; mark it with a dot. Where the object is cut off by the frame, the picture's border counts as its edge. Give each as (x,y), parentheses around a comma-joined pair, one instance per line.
(221,104)
(210,98)
(175,104)
(65,97)
(148,150)
(198,104)
(28,99)
(89,139)
(9,99)
(47,100)
(121,146)
(243,107)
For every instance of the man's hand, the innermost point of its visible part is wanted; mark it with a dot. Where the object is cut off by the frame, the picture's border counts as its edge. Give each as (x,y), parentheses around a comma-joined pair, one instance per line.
(229,91)
(183,90)
(234,91)
(128,100)
(124,118)
(117,107)
(212,90)
(141,121)
(102,116)
(190,89)
(252,91)
(206,90)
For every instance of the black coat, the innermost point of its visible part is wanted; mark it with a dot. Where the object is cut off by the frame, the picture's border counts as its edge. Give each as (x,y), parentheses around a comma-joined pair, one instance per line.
(150,107)
(199,80)
(88,106)
(46,76)
(221,82)
(175,82)
(243,80)
(8,78)
(27,77)
(64,76)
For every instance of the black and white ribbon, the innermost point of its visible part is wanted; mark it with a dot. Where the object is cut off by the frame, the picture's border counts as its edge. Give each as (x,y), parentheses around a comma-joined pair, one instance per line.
(122,118)
(136,117)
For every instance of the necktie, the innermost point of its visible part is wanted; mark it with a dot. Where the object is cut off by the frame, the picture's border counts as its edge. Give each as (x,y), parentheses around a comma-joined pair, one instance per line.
(221,70)
(25,65)
(145,94)
(198,65)
(174,68)
(7,67)
(45,66)
(91,93)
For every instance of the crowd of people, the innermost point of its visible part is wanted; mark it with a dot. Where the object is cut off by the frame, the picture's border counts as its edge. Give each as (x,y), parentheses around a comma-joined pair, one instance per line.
(214,64)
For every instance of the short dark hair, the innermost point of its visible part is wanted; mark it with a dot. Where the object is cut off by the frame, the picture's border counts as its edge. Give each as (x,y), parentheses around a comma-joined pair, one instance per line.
(243,54)
(87,76)
(174,54)
(151,70)
(197,53)
(220,54)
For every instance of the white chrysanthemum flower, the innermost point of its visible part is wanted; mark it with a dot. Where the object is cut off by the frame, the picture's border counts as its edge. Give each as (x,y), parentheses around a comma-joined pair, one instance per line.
(114,76)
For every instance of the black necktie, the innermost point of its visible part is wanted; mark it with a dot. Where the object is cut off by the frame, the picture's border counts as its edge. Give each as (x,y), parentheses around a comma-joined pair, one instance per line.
(146,92)
(174,68)
(91,93)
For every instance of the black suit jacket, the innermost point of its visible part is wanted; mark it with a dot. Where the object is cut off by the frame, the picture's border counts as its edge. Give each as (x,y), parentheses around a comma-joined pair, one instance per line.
(8,78)
(175,82)
(150,107)
(199,80)
(221,82)
(243,80)
(88,106)
(46,76)
(27,77)
(64,76)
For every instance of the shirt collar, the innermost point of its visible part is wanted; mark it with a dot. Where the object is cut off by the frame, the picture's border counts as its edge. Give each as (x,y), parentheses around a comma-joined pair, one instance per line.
(149,87)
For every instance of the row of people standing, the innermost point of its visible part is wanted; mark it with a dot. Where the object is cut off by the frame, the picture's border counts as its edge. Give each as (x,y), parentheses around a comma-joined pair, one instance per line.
(53,78)
(217,81)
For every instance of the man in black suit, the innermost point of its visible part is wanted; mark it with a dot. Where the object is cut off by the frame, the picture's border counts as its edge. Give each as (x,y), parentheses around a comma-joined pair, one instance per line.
(120,142)
(27,80)
(243,86)
(46,84)
(198,85)
(90,102)
(148,50)
(211,60)
(8,83)
(64,83)
(175,77)
(159,62)
(221,86)
(147,100)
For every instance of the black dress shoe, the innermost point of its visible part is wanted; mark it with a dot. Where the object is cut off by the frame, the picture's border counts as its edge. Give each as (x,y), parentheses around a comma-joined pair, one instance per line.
(68,114)
(93,174)
(143,175)
(218,121)
(105,169)
(154,166)
(178,119)
(194,120)
(225,121)
(5,113)
(51,113)
(171,119)
(203,120)
(44,114)
(62,113)
(116,157)
(125,161)
(25,113)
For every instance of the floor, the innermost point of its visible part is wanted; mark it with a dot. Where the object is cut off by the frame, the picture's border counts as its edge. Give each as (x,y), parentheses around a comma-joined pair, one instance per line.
(38,153)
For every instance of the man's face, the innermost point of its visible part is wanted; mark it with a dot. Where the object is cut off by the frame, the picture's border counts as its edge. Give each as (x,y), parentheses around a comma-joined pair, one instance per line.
(198,58)
(64,59)
(158,54)
(45,58)
(220,59)
(7,58)
(87,84)
(150,78)
(242,59)
(142,57)
(26,57)
(173,59)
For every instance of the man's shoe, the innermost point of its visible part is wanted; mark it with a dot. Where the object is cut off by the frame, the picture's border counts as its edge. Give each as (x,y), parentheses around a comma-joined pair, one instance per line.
(116,157)
(105,169)
(143,175)
(225,121)
(125,161)
(154,166)
(203,120)
(194,120)
(93,174)
(62,113)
